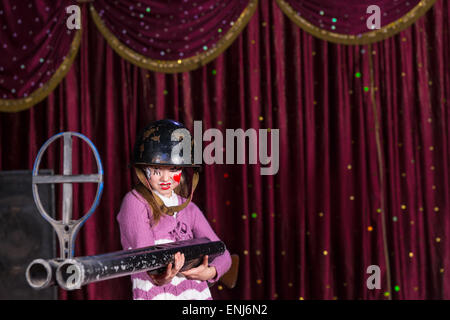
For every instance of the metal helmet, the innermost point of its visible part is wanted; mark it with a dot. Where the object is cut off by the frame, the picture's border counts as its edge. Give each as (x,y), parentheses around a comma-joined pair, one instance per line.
(155,145)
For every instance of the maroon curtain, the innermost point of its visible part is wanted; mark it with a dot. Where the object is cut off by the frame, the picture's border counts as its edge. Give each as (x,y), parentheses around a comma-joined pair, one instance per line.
(349,17)
(364,168)
(34,43)
(169,30)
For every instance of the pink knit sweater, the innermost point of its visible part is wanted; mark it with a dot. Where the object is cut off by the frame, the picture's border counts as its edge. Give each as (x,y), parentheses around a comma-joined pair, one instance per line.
(137,230)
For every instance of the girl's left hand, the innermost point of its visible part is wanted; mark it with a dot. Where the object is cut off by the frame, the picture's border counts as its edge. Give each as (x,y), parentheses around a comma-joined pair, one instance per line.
(202,272)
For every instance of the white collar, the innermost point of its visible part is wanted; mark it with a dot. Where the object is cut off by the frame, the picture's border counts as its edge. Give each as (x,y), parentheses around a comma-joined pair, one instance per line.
(168,201)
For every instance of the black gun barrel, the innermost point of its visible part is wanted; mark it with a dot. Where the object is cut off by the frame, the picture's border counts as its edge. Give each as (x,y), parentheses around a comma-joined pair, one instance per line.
(41,273)
(74,273)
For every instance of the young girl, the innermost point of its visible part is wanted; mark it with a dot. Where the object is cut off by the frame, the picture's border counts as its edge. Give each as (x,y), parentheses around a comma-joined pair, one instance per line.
(155,213)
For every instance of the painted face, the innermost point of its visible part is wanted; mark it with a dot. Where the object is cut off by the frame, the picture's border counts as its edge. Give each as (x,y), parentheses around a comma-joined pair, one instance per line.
(163,179)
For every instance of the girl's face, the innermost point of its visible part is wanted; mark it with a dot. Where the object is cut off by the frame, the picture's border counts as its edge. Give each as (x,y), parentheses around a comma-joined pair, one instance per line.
(163,179)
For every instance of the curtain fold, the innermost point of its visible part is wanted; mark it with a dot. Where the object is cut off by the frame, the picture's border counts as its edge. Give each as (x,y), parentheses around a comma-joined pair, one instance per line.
(36,51)
(171,36)
(351,22)
(38,48)
(312,230)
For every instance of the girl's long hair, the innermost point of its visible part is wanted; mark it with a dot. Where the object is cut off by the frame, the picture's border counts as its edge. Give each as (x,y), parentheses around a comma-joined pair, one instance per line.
(157,211)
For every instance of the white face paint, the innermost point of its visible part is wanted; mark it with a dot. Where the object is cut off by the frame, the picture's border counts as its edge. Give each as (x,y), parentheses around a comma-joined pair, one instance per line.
(163,179)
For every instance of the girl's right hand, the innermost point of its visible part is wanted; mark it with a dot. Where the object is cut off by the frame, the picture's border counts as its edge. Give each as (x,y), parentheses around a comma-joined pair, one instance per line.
(166,277)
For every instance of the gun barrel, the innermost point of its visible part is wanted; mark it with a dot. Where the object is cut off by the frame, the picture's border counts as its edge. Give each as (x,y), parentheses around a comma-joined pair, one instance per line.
(41,273)
(74,273)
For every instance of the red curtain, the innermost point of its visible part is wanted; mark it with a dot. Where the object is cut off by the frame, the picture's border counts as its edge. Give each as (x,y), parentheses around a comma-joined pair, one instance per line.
(36,50)
(364,170)
(170,30)
(351,17)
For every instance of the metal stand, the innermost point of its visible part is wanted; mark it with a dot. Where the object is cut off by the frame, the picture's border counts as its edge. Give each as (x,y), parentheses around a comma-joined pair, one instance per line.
(40,274)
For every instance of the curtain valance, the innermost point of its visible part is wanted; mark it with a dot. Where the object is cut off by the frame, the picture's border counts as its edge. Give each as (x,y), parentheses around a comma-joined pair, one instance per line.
(36,50)
(171,36)
(354,21)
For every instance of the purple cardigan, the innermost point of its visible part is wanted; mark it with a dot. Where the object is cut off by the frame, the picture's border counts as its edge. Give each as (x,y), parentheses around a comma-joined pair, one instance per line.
(137,230)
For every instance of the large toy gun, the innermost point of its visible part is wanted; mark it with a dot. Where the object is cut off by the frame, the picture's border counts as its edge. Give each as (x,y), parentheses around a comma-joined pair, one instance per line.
(73,273)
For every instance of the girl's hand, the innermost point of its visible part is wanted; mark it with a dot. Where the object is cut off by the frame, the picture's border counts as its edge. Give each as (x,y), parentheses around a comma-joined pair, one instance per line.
(167,277)
(202,272)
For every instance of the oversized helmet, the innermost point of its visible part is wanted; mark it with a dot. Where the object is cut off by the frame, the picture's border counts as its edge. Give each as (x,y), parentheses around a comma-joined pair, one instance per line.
(163,143)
